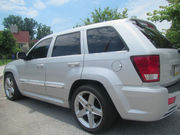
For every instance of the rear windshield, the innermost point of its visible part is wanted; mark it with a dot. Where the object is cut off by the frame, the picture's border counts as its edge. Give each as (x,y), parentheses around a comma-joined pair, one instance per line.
(150,31)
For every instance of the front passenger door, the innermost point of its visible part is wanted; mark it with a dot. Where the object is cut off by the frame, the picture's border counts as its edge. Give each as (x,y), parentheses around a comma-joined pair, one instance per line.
(32,78)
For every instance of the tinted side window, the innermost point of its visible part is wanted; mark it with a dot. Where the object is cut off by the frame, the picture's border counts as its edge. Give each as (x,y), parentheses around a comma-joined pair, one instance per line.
(104,39)
(40,50)
(68,44)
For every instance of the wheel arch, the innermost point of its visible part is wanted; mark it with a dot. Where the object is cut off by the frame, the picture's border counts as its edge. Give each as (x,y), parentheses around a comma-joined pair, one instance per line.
(81,82)
(10,69)
(7,72)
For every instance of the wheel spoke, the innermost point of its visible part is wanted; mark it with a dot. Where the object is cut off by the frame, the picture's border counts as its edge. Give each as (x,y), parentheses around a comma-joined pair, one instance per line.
(81,113)
(8,82)
(91,99)
(7,92)
(6,86)
(11,90)
(82,101)
(91,120)
(97,111)
(11,83)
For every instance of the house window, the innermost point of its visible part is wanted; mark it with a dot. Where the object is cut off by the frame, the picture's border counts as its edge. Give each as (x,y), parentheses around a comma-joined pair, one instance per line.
(21,45)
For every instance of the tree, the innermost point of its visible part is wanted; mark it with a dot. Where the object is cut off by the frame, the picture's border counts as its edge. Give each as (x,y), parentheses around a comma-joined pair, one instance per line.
(8,44)
(27,24)
(99,15)
(42,31)
(134,17)
(13,19)
(170,13)
(30,25)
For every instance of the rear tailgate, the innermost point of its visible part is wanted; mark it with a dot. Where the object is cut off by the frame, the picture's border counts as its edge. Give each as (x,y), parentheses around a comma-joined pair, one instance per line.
(169,66)
(169,57)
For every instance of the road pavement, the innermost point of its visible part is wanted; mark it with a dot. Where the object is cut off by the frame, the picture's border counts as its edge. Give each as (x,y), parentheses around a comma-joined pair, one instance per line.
(32,117)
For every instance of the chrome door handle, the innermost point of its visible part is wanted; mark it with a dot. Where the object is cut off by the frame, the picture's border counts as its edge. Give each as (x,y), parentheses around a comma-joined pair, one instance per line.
(74,64)
(40,65)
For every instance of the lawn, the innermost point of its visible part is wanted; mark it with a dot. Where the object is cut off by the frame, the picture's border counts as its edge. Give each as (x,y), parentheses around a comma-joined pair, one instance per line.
(4,61)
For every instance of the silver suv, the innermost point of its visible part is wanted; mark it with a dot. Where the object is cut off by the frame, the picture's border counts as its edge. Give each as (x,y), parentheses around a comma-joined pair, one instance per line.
(121,67)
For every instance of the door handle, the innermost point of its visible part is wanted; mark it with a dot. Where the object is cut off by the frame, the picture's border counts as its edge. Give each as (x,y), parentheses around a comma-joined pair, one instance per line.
(74,64)
(40,65)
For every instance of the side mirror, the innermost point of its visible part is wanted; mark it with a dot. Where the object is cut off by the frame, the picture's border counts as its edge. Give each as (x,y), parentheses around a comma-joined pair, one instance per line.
(21,55)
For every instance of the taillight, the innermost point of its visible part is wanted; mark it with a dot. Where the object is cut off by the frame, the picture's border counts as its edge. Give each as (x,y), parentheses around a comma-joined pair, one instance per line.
(148,67)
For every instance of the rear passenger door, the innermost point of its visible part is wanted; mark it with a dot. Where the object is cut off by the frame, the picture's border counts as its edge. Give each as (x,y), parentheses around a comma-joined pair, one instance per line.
(64,66)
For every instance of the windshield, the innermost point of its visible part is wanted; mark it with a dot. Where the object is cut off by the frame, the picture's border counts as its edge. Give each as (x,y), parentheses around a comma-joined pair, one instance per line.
(150,31)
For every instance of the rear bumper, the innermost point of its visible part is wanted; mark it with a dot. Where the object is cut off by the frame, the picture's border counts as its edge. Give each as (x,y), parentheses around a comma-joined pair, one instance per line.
(146,103)
(174,88)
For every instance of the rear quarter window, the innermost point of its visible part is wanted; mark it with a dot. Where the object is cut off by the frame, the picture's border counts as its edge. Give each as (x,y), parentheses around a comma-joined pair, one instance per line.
(104,39)
(153,35)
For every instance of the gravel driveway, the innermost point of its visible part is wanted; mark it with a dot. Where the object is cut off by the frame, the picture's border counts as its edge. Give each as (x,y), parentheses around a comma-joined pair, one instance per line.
(32,117)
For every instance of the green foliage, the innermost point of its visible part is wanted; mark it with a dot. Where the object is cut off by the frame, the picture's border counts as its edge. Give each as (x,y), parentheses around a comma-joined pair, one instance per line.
(134,17)
(8,44)
(27,24)
(170,13)
(31,44)
(43,31)
(13,19)
(4,61)
(30,24)
(99,15)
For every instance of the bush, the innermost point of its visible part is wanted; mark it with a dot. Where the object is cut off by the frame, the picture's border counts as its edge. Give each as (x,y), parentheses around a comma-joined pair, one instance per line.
(8,45)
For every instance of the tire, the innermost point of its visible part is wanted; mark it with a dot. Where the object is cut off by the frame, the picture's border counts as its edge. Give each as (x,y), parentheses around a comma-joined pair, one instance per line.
(10,88)
(93,109)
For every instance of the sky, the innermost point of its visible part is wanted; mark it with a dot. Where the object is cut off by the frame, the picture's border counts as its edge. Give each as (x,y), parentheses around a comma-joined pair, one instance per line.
(64,14)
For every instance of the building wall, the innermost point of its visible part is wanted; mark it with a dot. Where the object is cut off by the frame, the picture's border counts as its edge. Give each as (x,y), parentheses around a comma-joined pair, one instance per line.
(24,46)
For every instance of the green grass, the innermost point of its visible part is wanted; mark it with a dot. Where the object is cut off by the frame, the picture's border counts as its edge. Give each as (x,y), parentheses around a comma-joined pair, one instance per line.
(4,61)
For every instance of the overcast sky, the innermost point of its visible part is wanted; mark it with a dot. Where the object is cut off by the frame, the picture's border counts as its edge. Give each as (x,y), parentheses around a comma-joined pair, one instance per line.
(64,14)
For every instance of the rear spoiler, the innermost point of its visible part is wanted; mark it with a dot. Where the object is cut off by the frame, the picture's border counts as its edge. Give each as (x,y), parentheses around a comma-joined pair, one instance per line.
(144,23)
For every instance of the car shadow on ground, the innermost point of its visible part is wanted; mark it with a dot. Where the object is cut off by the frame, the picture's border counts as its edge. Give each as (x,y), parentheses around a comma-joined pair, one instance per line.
(167,126)
(57,112)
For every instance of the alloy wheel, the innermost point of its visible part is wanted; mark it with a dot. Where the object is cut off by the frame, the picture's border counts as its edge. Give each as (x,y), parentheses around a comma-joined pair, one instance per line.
(88,109)
(9,89)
